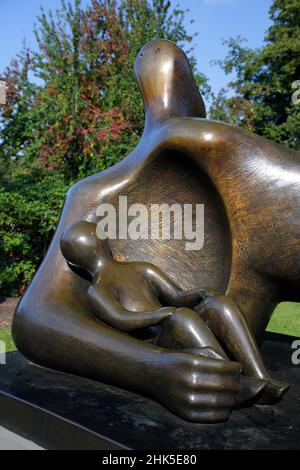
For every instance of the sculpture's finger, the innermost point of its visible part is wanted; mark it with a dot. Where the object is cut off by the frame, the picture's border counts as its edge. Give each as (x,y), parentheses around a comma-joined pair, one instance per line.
(205,416)
(209,399)
(200,382)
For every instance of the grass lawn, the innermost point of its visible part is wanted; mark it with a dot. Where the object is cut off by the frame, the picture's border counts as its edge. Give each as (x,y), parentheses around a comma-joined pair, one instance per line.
(285,319)
(5,336)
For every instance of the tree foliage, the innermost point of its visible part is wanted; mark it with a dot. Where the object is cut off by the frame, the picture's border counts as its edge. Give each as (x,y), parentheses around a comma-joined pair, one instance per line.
(73,108)
(262,89)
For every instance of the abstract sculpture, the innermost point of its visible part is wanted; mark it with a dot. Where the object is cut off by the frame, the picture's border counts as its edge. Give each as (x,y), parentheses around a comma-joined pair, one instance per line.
(249,187)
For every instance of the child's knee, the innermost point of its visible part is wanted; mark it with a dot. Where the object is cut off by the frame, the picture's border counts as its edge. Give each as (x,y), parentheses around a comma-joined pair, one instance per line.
(184,315)
(184,311)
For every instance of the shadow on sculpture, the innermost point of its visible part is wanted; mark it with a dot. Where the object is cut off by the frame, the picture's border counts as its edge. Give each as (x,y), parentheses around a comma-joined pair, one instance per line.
(95,314)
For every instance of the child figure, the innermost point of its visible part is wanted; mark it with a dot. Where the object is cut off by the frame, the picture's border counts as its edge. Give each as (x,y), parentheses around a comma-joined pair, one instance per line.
(129,296)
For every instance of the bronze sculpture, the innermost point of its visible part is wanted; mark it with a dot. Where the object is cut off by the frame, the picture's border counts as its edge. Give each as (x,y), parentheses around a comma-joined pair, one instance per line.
(250,188)
(119,291)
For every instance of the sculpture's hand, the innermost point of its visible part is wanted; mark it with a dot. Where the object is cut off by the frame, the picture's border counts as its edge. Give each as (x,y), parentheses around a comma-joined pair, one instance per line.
(196,388)
(128,321)
(162,313)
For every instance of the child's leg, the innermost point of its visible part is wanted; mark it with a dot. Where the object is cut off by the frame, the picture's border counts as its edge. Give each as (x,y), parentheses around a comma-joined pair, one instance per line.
(184,329)
(227,323)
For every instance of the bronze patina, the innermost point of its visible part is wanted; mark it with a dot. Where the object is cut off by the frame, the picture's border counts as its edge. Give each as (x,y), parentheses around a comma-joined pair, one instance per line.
(71,321)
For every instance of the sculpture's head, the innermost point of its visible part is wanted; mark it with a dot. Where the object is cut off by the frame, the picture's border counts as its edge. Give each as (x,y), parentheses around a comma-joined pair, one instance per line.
(82,248)
(166,82)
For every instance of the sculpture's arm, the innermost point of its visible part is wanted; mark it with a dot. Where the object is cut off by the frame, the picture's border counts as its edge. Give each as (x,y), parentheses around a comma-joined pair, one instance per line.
(66,337)
(168,291)
(108,309)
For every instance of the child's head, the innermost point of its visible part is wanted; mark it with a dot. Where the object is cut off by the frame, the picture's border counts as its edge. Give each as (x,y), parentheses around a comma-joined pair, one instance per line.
(82,248)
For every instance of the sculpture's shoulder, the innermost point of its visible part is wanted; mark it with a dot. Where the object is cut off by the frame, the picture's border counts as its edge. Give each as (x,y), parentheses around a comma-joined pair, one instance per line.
(227,143)
(82,186)
(95,188)
(210,131)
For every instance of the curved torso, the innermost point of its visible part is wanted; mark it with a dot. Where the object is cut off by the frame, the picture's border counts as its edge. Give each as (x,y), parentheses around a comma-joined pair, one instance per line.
(129,287)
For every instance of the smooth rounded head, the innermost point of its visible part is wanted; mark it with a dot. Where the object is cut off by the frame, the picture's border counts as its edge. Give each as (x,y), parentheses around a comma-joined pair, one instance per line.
(166,82)
(82,248)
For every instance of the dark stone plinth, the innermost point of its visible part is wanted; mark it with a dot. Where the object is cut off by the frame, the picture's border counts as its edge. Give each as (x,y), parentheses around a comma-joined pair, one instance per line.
(62,411)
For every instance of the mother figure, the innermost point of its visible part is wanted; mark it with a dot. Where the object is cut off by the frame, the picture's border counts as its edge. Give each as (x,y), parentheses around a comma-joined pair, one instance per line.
(250,188)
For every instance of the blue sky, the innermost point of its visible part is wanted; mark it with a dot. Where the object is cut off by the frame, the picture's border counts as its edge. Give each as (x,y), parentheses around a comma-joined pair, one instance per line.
(213,20)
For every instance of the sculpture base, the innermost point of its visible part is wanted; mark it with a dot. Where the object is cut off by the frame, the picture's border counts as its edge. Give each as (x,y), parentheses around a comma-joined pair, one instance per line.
(62,411)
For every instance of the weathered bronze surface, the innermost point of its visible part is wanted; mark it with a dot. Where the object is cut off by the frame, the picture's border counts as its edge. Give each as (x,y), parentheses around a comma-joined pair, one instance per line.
(249,187)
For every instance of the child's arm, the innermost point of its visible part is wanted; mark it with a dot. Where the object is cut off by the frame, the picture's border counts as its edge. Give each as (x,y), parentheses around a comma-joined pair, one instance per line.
(110,311)
(168,290)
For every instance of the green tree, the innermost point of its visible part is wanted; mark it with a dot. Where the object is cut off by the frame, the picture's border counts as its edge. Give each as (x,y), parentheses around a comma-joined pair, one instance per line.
(29,207)
(263,86)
